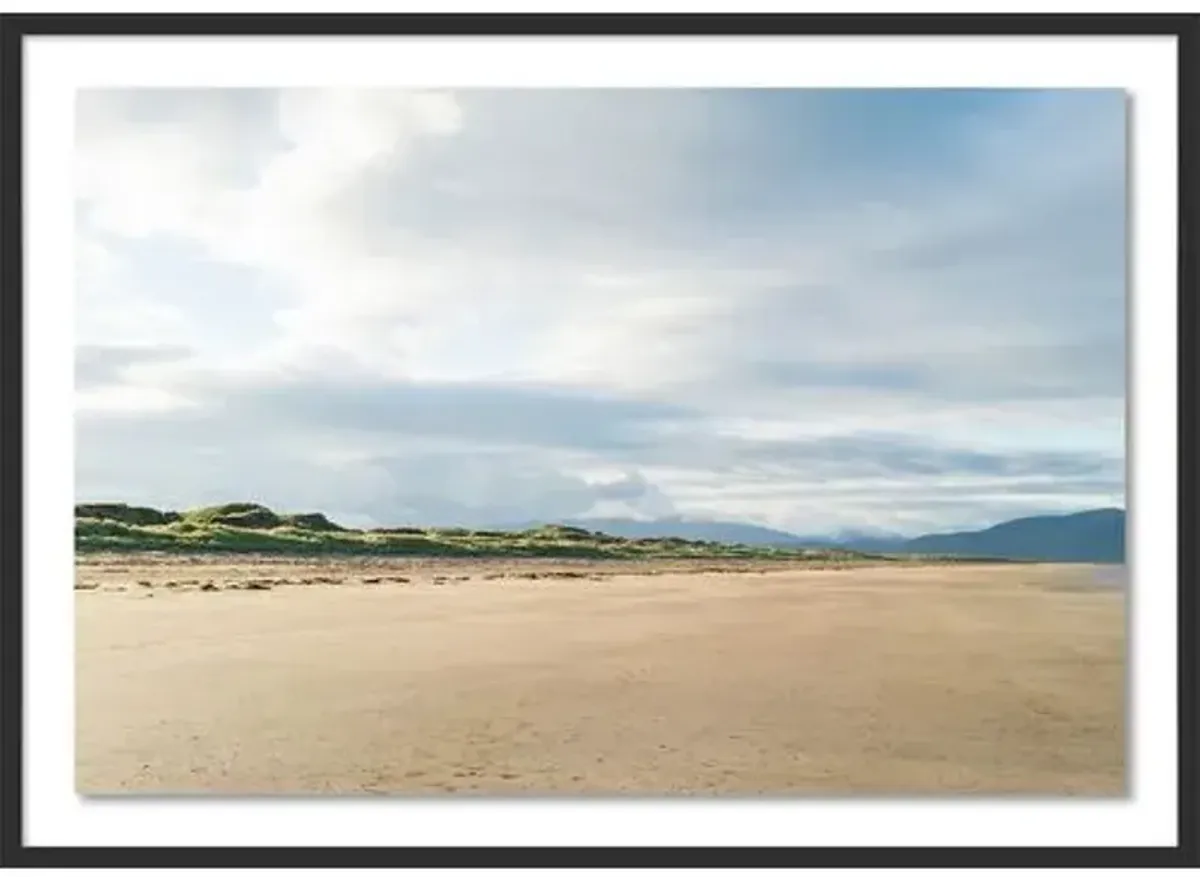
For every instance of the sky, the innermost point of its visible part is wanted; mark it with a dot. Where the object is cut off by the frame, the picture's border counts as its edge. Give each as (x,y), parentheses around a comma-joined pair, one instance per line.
(816,310)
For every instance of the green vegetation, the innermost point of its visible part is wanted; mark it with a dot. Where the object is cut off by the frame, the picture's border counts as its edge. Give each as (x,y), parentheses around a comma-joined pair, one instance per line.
(248,527)
(125,514)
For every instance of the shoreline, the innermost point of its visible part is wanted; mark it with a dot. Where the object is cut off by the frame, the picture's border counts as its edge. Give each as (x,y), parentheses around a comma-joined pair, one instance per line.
(153,571)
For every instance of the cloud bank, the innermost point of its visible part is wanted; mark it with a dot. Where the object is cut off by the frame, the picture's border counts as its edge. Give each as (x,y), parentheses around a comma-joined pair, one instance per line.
(809,309)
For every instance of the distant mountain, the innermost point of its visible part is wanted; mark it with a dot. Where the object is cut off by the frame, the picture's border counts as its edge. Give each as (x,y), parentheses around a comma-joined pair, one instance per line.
(1096,536)
(867,543)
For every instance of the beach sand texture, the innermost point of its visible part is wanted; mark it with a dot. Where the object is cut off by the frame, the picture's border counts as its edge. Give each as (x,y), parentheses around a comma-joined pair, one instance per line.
(430,678)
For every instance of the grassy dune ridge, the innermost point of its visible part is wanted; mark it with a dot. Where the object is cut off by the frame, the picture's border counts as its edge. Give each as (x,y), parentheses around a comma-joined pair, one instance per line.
(250,527)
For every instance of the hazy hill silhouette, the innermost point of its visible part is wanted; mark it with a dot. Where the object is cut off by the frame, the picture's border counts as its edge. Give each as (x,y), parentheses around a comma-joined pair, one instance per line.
(1095,536)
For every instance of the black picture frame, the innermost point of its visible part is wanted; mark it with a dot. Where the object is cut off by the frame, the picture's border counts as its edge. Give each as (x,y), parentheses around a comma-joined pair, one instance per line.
(13,31)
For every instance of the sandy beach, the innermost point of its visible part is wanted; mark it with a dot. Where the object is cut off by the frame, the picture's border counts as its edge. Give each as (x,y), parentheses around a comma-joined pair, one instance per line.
(434,678)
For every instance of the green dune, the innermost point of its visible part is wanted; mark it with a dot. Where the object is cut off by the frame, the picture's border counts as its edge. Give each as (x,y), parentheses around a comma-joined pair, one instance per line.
(250,527)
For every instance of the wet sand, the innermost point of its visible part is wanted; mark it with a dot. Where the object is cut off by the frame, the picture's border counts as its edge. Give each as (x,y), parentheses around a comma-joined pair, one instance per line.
(436,678)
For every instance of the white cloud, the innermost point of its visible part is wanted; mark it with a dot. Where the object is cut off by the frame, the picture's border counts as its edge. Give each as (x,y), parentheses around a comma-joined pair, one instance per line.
(301,221)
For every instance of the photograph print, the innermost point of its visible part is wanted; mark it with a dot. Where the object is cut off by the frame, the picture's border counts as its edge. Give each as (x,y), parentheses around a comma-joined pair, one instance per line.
(598,442)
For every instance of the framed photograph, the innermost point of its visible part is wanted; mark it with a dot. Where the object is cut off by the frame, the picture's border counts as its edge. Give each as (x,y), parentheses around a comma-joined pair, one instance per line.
(522,440)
